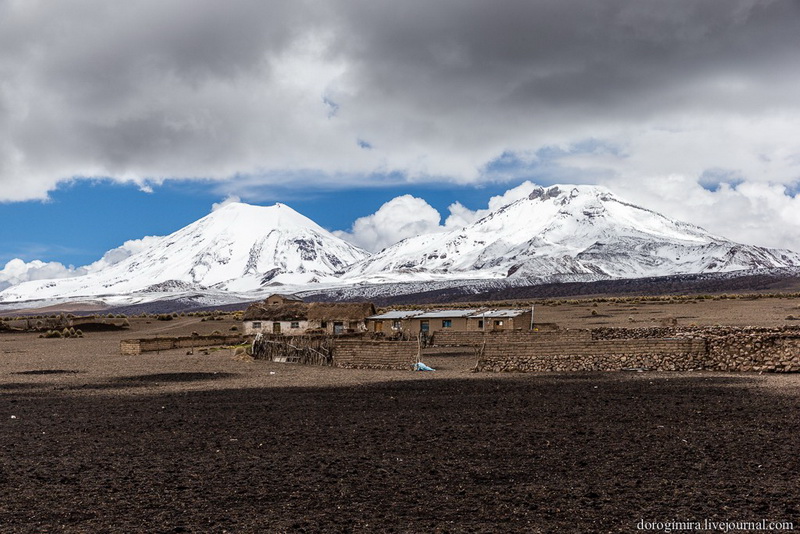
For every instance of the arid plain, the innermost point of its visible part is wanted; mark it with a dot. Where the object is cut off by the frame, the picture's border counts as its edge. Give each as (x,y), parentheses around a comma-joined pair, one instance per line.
(91,440)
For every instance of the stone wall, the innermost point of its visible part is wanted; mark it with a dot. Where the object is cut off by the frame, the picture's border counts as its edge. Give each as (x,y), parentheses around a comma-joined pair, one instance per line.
(474,339)
(603,355)
(754,349)
(667,349)
(137,346)
(365,354)
(635,333)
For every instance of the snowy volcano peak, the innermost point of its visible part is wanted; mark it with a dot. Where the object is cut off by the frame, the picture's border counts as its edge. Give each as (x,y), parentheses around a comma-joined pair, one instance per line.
(274,243)
(239,215)
(584,211)
(238,247)
(572,230)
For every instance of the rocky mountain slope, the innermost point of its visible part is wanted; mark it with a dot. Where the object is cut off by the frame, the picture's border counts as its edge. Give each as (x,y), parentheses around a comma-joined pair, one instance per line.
(237,248)
(566,231)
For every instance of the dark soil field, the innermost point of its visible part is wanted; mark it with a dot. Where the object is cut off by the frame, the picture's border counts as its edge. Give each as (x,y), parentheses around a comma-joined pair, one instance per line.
(93,441)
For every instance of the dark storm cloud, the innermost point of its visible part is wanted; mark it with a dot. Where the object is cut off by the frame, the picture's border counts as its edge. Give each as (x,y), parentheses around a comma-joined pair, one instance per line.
(567,55)
(160,89)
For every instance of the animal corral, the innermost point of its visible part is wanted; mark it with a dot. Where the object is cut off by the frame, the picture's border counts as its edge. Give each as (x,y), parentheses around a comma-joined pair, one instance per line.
(308,350)
(348,351)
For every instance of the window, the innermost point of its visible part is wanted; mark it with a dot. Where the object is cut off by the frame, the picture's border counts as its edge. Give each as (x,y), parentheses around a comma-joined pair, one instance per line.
(396,324)
(295,324)
(256,325)
(498,324)
(323,324)
(447,323)
(480,323)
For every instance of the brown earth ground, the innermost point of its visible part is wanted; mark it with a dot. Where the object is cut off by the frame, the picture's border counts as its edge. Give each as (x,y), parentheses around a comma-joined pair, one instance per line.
(632,312)
(93,441)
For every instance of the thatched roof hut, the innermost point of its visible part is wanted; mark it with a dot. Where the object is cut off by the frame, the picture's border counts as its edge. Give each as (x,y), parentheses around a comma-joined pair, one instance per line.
(340,311)
(261,311)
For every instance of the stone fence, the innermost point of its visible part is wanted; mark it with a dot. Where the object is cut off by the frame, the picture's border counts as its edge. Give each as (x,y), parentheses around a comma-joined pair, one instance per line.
(754,349)
(603,355)
(673,349)
(138,346)
(364,354)
(445,338)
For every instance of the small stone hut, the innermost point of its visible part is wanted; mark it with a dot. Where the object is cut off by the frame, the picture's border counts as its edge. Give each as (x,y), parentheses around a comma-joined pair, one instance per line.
(299,318)
(340,318)
(264,318)
(506,319)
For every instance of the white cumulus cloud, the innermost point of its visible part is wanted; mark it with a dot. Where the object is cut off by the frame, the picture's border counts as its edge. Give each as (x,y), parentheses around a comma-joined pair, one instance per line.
(230,199)
(462,216)
(408,216)
(748,212)
(402,217)
(116,255)
(17,271)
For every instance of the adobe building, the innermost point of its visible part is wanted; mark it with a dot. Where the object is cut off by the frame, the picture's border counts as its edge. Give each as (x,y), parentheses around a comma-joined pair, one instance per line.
(392,322)
(508,319)
(340,317)
(433,321)
(277,315)
(264,318)
(416,321)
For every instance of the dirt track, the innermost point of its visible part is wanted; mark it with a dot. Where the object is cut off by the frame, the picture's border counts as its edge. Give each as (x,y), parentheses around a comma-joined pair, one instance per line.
(172,442)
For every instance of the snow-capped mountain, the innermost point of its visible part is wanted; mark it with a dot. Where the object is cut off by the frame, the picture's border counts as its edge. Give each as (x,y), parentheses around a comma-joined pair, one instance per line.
(564,231)
(237,248)
(556,234)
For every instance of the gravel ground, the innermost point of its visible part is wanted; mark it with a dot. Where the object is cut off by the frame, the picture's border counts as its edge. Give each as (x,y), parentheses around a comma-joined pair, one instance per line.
(92,441)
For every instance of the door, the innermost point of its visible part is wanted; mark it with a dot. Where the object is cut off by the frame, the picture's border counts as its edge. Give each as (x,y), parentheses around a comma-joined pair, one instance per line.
(379,326)
(424,326)
(276,328)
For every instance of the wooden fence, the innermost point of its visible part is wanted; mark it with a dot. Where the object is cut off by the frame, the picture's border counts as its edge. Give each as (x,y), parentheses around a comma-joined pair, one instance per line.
(308,350)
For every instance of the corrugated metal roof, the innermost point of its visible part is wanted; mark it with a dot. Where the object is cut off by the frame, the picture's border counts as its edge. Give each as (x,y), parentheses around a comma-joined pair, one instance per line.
(396,314)
(499,313)
(445,314)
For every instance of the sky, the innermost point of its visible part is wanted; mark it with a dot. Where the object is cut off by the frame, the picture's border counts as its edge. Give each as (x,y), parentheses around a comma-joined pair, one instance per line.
(377,119)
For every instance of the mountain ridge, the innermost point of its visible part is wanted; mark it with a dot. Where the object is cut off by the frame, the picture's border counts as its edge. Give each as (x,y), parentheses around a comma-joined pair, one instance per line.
(555,234)
(238,247)
(581,230)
